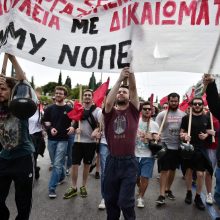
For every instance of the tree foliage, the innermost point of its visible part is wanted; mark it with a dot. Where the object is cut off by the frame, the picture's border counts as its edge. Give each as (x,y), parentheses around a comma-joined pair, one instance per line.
(32,82)
(68,82)
(49,88)
(60,83)
(92,82)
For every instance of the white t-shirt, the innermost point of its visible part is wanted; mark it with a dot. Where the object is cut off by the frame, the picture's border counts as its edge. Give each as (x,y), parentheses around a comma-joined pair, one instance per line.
(34,123)
(141,148)
(86,130)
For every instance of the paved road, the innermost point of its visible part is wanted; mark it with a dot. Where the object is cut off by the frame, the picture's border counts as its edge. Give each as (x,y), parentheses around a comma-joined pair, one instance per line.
(86,208)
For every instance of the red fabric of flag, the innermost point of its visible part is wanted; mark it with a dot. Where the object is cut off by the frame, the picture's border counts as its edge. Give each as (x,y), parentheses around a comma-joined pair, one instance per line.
(77,111)
(163,100)
(204,99)
(184,105)
(151,100)
(99,93)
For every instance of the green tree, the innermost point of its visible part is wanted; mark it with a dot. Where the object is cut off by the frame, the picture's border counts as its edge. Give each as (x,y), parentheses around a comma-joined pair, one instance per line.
(32,82)
(49,88)
(74,93)
(98,84)
(68,82)
(92,82)
(60,79)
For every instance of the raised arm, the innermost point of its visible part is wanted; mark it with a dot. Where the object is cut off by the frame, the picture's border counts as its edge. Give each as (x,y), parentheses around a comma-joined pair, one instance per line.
(133,91)
(110,100)
(18,70)
(212,96)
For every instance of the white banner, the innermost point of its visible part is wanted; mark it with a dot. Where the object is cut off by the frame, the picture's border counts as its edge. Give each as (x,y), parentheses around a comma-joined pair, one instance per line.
(104,35)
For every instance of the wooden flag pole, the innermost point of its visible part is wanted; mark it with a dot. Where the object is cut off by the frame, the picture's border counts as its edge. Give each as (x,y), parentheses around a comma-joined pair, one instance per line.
(212,127)
(4,65)
(190,123)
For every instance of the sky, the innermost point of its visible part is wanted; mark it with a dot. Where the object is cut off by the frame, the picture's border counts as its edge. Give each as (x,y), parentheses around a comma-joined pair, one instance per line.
(158,83)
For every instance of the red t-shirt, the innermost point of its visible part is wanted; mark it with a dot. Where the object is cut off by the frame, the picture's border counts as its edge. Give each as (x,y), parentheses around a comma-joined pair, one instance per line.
(121,129)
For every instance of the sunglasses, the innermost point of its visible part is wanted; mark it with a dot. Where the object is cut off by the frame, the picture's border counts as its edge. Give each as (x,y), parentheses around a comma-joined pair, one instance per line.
(197,103)
(145,109)
(87,95)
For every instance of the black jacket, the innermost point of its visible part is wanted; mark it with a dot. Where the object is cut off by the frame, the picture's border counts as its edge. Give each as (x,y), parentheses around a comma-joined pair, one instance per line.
(213,100)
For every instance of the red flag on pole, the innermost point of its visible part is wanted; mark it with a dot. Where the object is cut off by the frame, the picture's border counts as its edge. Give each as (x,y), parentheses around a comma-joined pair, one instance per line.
(151,100)
(191,95)
(163,100)
(77,111)
(204,99)
(99,93)
(184,105)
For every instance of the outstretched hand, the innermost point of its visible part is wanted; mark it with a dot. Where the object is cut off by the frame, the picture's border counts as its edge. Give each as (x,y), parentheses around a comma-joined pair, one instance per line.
(207,78)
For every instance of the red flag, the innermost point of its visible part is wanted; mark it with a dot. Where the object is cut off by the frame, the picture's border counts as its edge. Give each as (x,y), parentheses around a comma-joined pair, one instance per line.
(184,105)
(77,111)
(151,100)
(99,93)
(191,96)
(204,99)
(163,100)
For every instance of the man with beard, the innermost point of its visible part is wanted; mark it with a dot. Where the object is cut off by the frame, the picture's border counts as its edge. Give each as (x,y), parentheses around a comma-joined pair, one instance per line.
(84,148)
(199,139)
(121,124)
(16,157)
(169,136)
(58,127)
(147,131)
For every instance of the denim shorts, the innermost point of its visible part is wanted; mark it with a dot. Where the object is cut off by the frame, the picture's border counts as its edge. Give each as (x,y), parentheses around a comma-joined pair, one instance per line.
(146,166)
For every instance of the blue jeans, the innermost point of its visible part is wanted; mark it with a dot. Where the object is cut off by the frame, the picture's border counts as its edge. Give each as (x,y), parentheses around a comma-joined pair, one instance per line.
(217,186)
(119,187)
(103,152)
(69,151)
(57,151)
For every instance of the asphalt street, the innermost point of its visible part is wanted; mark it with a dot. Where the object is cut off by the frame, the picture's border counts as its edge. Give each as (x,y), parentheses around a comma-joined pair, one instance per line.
(76,208)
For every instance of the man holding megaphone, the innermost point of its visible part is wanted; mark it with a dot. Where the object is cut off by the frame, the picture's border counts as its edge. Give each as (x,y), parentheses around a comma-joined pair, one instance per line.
(16,156)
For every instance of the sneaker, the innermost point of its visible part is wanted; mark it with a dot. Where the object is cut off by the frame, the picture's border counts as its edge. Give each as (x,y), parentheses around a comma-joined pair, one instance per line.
(140,203)
(198,202)
(71,192)
(52,194)
(170,195)
(160,200)
(83,192)
(102,204)
(97,176)
(188,199)
(209,199)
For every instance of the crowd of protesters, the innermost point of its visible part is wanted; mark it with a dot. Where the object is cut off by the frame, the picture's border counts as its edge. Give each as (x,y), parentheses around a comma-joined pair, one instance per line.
(125,136)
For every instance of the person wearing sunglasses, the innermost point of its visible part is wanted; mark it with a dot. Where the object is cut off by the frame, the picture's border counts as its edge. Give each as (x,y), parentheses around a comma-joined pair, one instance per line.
(200,139)
(147,130)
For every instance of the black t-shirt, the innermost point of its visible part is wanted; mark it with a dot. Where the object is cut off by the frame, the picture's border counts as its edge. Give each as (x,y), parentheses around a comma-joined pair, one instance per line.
(200,123)
(57,115)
